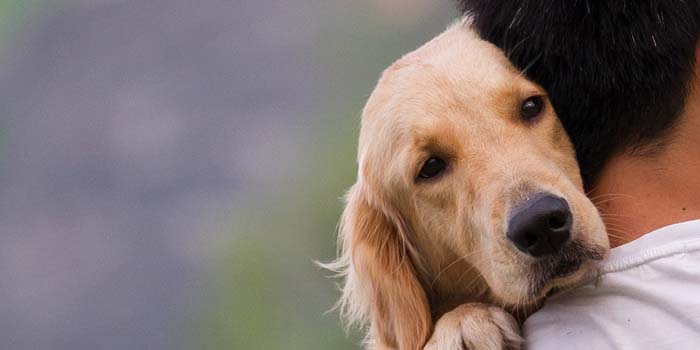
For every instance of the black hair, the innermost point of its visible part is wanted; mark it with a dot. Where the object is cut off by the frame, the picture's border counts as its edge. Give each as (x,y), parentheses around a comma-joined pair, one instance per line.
(617,71)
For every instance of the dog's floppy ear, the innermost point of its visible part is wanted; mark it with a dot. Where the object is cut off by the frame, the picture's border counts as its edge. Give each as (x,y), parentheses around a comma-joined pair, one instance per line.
(381,284)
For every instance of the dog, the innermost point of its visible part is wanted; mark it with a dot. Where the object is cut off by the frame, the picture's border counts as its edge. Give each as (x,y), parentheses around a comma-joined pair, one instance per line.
(469,207)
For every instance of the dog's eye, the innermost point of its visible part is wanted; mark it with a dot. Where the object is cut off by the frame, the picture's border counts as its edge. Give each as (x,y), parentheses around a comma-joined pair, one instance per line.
(432,167)
(531,108)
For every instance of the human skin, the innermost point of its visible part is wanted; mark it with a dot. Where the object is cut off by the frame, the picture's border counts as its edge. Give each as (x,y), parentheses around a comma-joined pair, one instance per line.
(637,194)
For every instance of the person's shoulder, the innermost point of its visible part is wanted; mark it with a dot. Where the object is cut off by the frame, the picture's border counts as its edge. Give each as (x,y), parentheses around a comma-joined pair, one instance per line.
(615,309)
(569,318)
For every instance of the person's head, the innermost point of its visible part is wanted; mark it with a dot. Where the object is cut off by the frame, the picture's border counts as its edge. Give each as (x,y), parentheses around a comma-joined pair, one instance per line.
(617,72)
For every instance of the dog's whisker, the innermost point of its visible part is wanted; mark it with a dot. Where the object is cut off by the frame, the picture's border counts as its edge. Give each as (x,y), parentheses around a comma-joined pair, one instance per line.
(625,234)
(522,41)
(587,193)
(613,227)
(597,203)
(523,72)
(476,278)
(518,300)
(610,195)
(616,235)
(464,273)
(615,215)
(452,264)
(618,231)
(616,224)
(614,230)
(606,198)
(472,267)
(615,221)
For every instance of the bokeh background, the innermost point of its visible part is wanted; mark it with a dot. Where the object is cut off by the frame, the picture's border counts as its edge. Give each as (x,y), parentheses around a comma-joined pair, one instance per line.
(170,169)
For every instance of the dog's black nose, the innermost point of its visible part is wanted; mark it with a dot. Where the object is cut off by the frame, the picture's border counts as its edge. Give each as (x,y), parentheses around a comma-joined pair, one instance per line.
(541,225)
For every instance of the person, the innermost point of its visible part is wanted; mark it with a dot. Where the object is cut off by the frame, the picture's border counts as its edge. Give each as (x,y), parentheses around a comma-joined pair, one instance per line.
(624,77)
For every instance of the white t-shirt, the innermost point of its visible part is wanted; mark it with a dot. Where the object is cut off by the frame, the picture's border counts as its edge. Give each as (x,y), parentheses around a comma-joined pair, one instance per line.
(646,296)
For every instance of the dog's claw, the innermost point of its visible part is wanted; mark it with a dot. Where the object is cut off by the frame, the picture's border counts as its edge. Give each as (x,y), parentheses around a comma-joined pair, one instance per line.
(475,326)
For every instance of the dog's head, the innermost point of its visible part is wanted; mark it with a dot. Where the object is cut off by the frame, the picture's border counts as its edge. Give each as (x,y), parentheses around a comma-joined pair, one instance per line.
(467,186)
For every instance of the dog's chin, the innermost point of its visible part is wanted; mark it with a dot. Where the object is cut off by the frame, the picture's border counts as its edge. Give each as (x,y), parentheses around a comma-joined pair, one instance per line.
(576,263)
(564,281)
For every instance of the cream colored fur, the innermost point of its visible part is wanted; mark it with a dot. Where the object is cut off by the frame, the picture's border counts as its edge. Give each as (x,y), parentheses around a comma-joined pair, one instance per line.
(426,265)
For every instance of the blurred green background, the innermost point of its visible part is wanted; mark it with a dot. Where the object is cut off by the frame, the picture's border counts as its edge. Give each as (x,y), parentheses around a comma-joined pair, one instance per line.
(201,150)
(269,294)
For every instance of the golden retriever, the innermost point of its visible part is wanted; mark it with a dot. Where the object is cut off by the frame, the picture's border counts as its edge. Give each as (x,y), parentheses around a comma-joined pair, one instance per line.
(468,206)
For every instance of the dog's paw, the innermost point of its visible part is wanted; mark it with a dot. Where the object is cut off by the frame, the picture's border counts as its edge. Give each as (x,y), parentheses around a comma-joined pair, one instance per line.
(475,326)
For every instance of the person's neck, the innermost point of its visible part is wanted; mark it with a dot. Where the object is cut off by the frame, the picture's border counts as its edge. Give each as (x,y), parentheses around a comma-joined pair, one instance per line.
(638,194)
